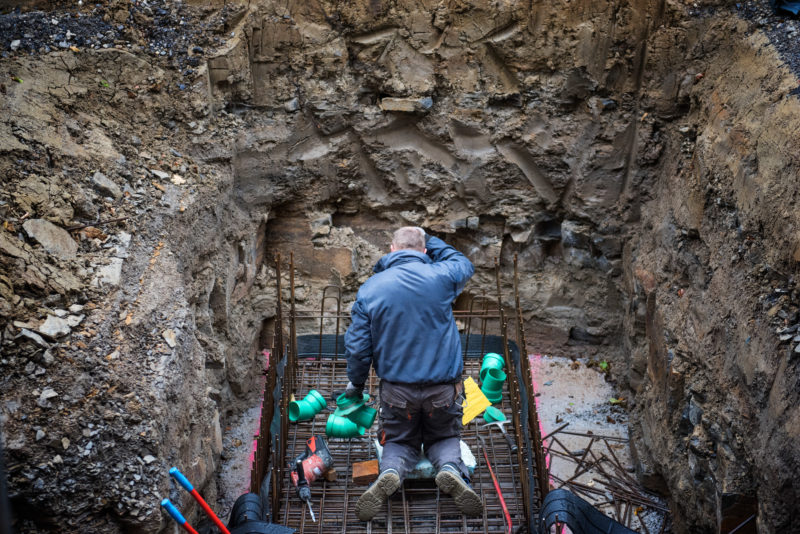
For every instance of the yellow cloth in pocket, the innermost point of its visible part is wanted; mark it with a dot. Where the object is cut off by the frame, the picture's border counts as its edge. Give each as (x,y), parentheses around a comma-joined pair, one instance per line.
(475,402)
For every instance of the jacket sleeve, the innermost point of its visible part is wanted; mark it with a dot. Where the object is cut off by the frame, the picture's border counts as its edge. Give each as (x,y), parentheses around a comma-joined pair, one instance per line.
(358,345)
(458,266)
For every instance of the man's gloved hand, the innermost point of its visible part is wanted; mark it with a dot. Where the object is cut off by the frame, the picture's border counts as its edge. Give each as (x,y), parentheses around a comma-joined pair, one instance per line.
(353,391)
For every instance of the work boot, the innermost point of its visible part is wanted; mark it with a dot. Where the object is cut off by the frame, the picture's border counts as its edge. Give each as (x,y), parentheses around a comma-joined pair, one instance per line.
(371,501)
(450,481)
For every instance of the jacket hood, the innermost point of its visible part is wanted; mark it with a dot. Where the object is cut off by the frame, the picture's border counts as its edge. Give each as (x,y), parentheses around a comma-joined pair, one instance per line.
(400,257)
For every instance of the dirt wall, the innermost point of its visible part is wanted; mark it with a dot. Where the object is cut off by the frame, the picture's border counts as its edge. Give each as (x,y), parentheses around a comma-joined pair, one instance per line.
(712,288)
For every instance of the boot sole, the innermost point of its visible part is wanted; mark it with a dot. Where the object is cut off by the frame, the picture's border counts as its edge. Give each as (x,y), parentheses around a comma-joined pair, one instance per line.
(466,499)
(372,500)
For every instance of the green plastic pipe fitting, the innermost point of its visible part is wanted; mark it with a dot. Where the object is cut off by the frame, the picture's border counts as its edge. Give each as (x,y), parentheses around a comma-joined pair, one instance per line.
(491,360)
(345,405)
(493,385)
(352,417)
(306,409)
(339,426)
(364,416)
(492,415)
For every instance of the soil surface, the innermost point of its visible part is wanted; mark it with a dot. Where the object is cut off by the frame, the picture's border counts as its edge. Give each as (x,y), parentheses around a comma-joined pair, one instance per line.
(576,395)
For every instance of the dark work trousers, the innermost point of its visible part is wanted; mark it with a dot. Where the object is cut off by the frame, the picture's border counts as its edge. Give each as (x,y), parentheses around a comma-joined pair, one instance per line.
(427,415)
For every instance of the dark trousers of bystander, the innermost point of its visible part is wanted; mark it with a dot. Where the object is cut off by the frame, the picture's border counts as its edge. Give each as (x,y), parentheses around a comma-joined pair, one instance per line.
(412,416)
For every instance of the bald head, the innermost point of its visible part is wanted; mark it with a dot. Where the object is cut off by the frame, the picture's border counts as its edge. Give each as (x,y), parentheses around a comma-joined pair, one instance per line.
(409,237)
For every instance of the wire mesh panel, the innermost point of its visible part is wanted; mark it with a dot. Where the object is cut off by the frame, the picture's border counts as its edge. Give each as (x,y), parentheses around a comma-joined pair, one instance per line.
(418,506)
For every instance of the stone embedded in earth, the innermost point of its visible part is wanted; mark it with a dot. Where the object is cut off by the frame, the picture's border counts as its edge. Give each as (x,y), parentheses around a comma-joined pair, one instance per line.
(292,105)
(75,320)
(53,239)
(322,226)
(105,186)
(407,105)
(33,336)
(54,327)
(169,337)
(109,274)
(160,174)
(45,396)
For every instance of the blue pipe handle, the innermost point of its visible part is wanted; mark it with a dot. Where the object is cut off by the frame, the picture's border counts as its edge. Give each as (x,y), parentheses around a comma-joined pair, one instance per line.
(171,510)
(182,480)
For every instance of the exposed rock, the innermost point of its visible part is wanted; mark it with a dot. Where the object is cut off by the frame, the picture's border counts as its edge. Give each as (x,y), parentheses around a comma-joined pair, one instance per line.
(169,337)
(75,320)
(48,358)
(105,186)
(321,226)
(54,327)
(160,174)
(36,338)
(407,105)
(109,274)
(53,239)
(292,105)
(45,397)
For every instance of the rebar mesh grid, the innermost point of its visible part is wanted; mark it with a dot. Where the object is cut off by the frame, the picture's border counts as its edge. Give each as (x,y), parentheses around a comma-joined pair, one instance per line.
(419,506)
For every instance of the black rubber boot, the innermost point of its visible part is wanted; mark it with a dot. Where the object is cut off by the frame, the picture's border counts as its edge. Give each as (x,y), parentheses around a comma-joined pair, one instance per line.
(450,481)
(372,500)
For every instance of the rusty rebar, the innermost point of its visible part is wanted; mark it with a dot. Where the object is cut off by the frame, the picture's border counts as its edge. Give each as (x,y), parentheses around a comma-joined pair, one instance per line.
(292,323)
(511,381)
(280,347)
(556,431)
(533,412)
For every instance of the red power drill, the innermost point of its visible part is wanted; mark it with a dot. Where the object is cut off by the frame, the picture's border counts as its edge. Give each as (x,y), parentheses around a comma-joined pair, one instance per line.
(309,466)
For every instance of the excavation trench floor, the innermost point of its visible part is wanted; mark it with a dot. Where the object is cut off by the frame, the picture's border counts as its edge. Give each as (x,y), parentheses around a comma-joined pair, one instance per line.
(587,423)
(576,395)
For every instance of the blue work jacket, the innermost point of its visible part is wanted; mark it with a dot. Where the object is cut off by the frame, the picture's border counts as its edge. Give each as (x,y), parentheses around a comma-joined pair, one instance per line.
(402,320)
